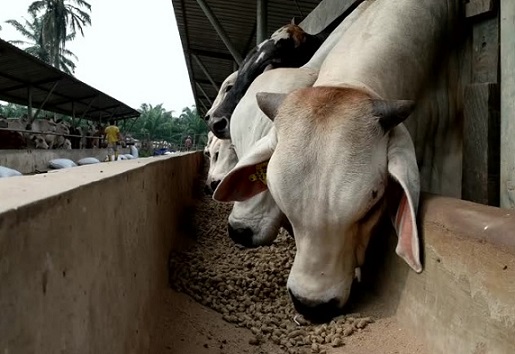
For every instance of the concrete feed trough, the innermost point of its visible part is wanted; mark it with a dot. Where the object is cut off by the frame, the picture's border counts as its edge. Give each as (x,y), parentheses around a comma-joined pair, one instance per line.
(85,268)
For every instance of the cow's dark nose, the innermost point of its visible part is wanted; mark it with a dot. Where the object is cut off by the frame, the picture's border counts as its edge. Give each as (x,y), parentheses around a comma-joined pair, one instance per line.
(214,184)
(316,312)
(242,236)
(220,125)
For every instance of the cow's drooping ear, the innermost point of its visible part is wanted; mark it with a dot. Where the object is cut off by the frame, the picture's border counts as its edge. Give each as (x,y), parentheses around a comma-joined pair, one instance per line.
(248,177)
(402,167)
(392,112)
(269,102)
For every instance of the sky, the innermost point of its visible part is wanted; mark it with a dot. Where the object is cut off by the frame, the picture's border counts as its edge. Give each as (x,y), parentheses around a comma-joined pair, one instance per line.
(132,51)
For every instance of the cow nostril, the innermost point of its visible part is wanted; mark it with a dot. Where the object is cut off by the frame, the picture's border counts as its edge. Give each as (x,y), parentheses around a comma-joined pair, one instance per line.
(207,117)
(316,312)
(214,184)
(242,236)
(220,125)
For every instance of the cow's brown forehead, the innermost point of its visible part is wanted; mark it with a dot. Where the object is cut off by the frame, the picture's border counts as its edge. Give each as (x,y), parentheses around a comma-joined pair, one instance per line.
(295,32)
(321,102)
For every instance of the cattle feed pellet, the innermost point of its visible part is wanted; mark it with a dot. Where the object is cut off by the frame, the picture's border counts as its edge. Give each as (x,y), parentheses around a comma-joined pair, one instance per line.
(248,286)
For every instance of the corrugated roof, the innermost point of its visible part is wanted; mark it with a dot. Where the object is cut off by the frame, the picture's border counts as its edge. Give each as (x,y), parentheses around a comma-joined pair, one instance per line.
(20,70)
(238,19)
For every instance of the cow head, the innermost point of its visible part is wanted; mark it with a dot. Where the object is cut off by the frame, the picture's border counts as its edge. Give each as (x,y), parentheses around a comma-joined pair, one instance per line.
(67,145)
(327,163)
(222,159)
(289,46)
(39,141)
(224,89)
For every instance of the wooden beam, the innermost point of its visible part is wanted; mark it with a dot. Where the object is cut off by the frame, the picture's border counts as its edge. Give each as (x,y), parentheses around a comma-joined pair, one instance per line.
(485,51)
(481,116)
(479,7)
(507,104)
(481,149)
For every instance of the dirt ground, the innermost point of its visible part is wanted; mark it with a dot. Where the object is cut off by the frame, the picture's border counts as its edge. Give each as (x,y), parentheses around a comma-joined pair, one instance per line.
(187,327)
(212,264)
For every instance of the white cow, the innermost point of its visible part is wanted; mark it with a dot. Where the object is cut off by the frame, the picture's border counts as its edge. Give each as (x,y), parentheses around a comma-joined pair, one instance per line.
(338,147)
(210,137)
(256,221)
(50,126)
(222,159)
(224,88)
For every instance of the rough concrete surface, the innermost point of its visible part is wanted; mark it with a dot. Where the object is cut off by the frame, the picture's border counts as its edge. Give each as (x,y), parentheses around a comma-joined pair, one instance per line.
(28,161)
(463,301)
(83,254)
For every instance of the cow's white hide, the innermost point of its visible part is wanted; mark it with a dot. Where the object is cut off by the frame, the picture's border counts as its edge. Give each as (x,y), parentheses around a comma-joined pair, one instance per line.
(260,214)
(336,147)
(222,159)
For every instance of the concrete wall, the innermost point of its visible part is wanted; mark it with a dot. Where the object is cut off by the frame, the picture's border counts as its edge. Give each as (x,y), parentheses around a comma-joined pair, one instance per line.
(83,253)
(463,301)
(28,161)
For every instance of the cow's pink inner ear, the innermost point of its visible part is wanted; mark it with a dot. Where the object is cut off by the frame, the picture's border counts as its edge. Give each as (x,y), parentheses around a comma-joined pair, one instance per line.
(407,233)
(239,185)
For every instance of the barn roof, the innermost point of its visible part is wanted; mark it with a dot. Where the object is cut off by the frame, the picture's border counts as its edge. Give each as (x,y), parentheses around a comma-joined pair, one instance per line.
(52,89)
(208,59)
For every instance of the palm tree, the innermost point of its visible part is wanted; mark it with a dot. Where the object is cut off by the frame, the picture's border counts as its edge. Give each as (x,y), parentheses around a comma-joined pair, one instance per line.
(194,125)
(32,31)
(36,47)
(59,19)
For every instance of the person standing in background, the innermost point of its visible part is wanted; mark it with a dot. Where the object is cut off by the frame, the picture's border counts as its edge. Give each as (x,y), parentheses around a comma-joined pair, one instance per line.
(113,138)
(188,142)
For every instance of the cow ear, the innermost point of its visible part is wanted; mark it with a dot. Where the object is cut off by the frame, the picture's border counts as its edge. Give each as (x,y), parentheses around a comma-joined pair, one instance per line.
(269,102)
(392,112)
(248,177)
(402,167)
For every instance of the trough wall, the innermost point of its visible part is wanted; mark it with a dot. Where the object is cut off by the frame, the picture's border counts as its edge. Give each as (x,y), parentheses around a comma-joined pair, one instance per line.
(28,161)
(463,301)
(83,253)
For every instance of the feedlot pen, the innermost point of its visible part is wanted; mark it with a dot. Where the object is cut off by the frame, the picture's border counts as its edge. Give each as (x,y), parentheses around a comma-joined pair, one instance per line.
(130,257)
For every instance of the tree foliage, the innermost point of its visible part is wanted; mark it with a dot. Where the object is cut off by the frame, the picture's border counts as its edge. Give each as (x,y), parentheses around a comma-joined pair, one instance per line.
(60,20)
(36,47)
(53,23)
(157,124)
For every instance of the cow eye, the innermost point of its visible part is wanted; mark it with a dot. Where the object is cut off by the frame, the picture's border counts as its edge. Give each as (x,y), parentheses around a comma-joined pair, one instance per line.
(228,88)
(216,156)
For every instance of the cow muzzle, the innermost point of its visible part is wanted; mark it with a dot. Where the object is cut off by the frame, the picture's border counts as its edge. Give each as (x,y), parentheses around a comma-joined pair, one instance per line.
(241,236)
(316,312)
(220,127)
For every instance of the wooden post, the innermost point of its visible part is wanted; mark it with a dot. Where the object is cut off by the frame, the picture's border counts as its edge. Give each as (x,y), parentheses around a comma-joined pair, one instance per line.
(29,106)
(481,126)
(507,187)
(481,147)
